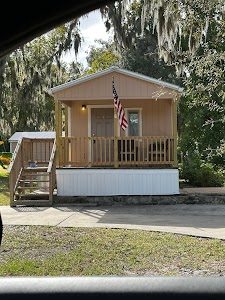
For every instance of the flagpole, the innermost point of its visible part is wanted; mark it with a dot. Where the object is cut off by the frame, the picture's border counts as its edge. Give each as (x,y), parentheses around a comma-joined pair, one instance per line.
(115,135)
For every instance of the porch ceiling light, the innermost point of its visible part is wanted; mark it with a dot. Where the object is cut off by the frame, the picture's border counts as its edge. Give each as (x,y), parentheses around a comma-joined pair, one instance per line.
(83,107)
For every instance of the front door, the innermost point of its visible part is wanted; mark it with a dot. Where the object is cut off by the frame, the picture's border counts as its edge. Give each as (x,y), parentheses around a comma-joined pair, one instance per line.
(102,127)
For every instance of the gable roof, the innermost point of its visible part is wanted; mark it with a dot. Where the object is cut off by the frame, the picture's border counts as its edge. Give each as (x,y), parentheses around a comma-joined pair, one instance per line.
(114,69)
(32,135)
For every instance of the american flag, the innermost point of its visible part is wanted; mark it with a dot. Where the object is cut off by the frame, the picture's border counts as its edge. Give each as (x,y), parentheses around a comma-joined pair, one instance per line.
(120,112)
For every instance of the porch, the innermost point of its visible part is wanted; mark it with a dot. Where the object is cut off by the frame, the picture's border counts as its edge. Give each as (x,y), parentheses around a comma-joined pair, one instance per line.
(115,166)
(116,152)
(88,164)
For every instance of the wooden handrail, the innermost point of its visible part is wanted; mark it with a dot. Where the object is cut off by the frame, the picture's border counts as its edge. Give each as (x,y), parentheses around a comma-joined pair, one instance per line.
(52,172)
(15,169)
(29,150)
(132,150)
(15,153)
(52,157)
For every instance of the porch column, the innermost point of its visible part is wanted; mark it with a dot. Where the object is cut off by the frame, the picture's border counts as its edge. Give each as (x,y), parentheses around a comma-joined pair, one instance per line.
(174,114)
(115,139)
(66,121)
(66,135)
(58,128)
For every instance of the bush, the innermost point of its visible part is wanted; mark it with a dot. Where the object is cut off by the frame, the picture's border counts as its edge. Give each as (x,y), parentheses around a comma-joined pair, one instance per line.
(6,154)
(201,174)
(5,160)
(5,157)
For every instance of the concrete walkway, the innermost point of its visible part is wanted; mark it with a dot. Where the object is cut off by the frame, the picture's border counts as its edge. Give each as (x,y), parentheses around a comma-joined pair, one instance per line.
(204,190)
(195,220)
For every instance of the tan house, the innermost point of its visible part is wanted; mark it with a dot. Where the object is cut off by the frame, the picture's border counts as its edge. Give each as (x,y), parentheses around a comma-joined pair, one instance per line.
(95,156)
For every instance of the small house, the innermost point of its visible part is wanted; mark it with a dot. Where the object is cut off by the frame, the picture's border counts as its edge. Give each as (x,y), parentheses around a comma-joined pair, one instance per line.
(94,154)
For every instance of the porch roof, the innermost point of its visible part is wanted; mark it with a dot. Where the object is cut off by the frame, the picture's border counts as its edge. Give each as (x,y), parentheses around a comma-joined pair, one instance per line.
(32,135)
(114,69)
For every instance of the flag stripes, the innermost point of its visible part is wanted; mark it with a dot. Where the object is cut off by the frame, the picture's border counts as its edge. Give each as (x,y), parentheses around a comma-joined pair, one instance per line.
(120,111)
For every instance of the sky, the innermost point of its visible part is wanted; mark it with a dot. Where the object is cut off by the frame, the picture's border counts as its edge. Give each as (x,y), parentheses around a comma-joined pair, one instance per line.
(92,27)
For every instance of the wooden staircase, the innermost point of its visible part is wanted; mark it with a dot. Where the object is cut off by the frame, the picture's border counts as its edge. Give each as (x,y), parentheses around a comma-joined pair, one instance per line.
(32,182)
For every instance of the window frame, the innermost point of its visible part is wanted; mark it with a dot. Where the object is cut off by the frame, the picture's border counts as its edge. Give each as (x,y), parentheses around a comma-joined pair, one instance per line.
(139,110)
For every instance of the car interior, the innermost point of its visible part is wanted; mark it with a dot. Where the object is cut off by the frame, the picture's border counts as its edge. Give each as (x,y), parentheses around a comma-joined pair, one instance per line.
(22,22)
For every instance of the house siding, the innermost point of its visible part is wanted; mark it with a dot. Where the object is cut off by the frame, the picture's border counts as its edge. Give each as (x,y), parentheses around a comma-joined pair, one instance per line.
(126,86)
(156,116)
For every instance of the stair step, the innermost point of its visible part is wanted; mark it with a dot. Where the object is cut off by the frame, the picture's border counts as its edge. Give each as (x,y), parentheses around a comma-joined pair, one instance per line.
(28,188)
(33,202)
(32,180)
(36,195)
(30,197)
(37,169)
(34,174)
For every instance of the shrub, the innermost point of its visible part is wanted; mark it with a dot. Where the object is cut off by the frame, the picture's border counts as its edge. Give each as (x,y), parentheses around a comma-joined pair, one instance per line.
(201,174)
(5,160)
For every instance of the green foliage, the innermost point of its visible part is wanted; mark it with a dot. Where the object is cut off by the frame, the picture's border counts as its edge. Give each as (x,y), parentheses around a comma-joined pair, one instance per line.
(6,154)
(145,60)
(4,186)
(138,47)
(182,26)
(75,70)
(201,119)
(27,75)
(124,20)
(200,173)
(102,57)
(5,157)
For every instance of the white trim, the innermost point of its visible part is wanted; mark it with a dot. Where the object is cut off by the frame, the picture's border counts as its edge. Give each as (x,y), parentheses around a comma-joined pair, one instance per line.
(139,109)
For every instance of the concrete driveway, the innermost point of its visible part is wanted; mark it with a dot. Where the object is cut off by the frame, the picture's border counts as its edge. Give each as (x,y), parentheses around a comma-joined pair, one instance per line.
(195,220)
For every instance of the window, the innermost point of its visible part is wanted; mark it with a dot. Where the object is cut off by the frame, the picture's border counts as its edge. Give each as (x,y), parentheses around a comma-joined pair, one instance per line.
(133,123)
(134,118)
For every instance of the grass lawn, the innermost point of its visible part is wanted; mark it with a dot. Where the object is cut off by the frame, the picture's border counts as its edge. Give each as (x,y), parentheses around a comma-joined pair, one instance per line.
(4,186)
(55,251)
